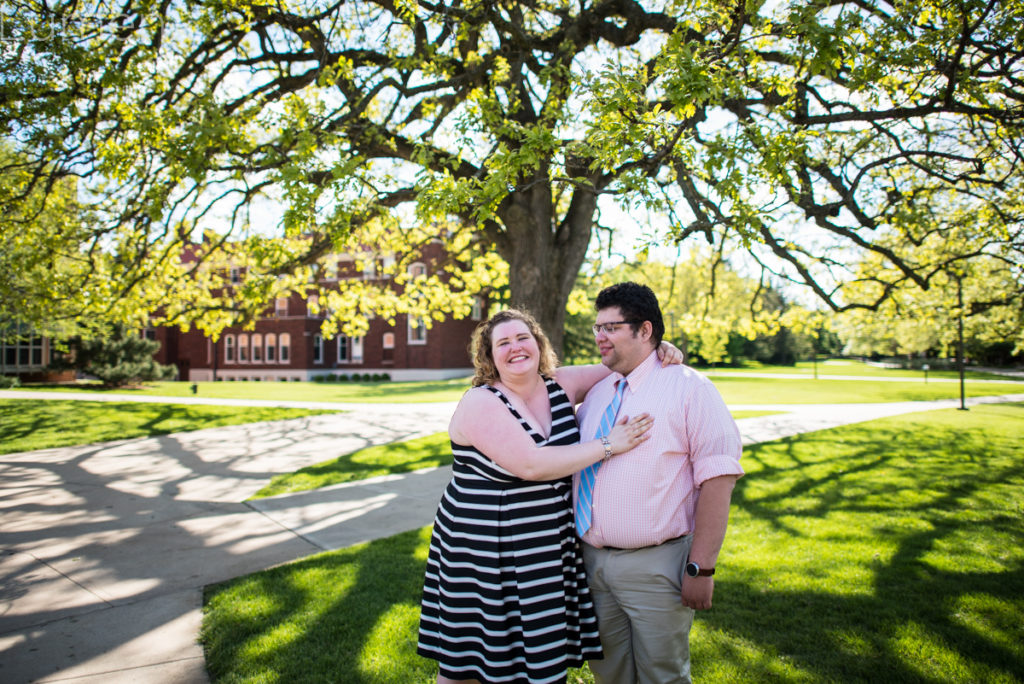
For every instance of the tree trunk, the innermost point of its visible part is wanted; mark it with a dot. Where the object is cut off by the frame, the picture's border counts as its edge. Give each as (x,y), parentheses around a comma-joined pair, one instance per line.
(545,257)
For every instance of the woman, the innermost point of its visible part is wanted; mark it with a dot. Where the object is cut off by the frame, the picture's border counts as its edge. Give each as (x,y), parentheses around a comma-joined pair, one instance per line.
(505,597)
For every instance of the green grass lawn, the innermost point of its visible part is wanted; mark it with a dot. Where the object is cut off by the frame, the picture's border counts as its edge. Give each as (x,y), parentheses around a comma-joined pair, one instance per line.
(400,457)
(735,388)
(884,551)
(849,367)
(386,459)
(28,424)
(348,392)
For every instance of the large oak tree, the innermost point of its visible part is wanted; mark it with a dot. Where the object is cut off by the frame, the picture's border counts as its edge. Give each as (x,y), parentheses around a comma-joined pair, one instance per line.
(810,133)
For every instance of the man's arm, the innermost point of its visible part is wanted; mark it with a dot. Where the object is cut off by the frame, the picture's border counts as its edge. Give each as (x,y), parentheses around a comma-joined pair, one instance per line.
(711,519)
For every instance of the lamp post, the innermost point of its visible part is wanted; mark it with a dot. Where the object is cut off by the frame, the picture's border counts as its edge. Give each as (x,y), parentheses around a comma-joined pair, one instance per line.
(960,337)
(925,368)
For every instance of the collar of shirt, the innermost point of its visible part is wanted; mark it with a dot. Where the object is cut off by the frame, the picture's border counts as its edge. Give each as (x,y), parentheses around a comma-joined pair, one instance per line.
(635,379)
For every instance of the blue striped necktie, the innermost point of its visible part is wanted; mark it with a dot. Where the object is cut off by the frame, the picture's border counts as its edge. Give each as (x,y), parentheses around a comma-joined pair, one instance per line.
(584,497)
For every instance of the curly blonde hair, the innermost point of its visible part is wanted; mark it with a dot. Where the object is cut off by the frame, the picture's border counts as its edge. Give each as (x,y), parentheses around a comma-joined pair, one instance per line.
(480,348)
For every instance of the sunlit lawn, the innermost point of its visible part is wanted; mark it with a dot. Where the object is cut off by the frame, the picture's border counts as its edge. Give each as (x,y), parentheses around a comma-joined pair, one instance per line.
(850,367)
(401,457)
(348,392)
(735,388)
(885,551)
(26,425)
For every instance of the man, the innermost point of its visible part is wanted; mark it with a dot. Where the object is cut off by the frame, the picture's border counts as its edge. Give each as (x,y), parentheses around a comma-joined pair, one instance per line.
(659,512)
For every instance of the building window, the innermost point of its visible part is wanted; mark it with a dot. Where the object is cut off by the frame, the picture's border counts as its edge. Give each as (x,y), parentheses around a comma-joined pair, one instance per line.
(388,266)
(417,270)
(350,349)
(331,270)
(369,267)
(281,307)
(257,348)
(477,314)
(313,306)
(286,343)
(243,348)
(388,355)
(271,347)
(24,354)
(229,348)
(235,274)
(417,330)
(318,349)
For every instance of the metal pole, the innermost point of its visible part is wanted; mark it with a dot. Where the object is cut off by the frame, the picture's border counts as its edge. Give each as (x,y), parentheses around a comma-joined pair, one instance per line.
(960,335)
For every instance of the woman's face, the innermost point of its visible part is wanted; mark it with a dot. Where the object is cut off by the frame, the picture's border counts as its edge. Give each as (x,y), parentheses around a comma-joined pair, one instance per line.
(514,349)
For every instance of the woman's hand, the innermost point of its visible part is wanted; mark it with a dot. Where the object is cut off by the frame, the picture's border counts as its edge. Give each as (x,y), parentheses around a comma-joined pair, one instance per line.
(629,433)
(669,354)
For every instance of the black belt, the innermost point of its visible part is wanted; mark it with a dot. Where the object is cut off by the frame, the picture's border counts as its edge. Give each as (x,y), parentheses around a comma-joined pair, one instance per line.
(640,548)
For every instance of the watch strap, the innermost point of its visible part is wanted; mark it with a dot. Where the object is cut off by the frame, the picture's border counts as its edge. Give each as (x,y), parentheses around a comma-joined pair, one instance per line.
(701,572)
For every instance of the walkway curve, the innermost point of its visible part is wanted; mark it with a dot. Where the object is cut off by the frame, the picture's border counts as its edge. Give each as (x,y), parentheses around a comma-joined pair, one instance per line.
(106,548)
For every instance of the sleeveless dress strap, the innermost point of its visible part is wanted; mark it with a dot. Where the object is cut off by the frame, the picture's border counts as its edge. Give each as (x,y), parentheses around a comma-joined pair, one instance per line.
(537,437)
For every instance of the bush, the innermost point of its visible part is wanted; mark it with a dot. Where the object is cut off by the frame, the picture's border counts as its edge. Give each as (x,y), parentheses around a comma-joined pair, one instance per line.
(122,358)
(342,377)
(8,381)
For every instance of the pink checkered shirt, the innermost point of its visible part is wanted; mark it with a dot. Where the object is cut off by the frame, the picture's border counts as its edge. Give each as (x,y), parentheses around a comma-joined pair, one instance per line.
(649,494)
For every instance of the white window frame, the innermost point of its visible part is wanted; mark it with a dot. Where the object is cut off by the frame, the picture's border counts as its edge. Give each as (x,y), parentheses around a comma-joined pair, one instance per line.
(370,267)
(353,348)
(387,266)
(417,269)
(417,330)
(284,344)
(270,352)
(318,349)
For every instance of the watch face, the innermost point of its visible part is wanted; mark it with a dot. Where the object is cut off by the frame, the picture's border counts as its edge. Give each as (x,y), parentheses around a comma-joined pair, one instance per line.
(692,569)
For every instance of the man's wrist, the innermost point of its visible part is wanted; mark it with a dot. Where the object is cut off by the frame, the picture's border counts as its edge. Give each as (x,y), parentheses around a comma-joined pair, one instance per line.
(694,569)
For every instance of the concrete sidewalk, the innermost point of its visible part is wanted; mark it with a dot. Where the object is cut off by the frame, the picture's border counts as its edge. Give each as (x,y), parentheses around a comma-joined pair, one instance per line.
(106,549)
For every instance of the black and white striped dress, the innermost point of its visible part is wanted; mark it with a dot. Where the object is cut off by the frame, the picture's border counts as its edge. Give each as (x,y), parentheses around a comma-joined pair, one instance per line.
(505,597)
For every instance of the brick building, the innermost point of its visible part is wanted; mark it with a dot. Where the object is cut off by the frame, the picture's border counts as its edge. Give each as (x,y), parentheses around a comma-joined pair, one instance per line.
(286,343)
(29,358)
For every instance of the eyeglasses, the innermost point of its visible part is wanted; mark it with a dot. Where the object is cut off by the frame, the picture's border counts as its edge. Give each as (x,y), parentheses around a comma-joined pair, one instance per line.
(609,328)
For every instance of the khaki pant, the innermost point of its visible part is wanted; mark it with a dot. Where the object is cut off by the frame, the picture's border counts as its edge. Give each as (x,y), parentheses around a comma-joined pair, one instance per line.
(645,628)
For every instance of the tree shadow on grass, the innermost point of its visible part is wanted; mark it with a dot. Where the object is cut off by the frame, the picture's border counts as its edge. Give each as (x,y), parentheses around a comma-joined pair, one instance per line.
(918,614)
(945,603)
(320,619)
(395,458)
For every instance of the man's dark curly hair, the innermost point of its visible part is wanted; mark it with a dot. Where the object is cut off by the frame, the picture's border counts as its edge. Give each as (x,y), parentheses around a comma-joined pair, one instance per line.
(637,303)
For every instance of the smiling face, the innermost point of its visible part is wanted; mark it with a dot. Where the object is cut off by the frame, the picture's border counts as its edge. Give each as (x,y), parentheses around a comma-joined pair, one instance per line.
(514,349)
(623,349)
